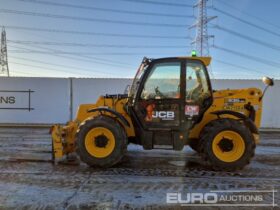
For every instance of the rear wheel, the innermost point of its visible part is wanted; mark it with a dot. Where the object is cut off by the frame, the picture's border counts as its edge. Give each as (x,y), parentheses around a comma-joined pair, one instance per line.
(227,144)
(101,142)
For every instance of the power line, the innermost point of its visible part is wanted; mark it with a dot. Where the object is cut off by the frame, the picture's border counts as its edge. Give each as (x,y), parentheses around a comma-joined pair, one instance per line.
(92,45)
(238,66)
(47,15)
(251,39)
(159,3)
(92,59)
(88,33)
(256,59)
(247,14)
(26,73)
(49,69)
(64,66)
(75,6)
(246,22)
(82,53)
(103,61)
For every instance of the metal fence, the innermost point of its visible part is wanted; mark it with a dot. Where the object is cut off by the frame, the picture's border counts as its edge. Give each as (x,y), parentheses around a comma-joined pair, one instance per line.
(55,100)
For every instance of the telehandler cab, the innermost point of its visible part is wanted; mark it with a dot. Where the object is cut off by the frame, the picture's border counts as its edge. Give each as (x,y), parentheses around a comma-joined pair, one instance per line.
(170,104)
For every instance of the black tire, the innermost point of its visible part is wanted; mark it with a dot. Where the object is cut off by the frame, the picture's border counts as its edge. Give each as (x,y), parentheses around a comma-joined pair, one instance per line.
(120,141)
(212,130)
(194,144)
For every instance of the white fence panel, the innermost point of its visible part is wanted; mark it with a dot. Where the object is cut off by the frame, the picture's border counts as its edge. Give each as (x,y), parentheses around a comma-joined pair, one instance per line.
(34,100)
(55,100)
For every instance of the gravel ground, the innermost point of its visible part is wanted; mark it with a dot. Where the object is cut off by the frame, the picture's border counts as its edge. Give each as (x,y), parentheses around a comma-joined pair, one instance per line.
(28,179)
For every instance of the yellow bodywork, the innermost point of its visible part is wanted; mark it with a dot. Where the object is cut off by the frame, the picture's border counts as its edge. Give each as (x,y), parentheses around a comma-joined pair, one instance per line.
(64,136)
(234,100)
(222,101)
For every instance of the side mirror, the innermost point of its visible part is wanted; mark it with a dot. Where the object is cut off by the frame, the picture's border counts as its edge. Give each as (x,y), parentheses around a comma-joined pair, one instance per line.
(268,81)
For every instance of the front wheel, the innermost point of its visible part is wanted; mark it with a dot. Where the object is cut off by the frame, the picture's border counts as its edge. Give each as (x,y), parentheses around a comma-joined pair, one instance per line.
(101,141)
(227,144)
(194,144)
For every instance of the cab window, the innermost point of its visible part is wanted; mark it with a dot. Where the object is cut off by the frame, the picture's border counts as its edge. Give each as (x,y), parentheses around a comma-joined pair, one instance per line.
(163,82)
(197,88)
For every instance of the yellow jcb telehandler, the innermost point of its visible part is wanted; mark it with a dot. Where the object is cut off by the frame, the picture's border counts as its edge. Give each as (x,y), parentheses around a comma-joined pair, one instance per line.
(170,104)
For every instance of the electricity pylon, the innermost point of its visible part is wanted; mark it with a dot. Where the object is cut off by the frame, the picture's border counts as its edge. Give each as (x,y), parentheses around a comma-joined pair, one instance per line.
(4,55)
(201,41)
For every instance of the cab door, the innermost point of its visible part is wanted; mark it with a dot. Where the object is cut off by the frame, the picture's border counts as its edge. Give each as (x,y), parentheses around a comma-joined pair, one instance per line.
(160,103)
(198,97)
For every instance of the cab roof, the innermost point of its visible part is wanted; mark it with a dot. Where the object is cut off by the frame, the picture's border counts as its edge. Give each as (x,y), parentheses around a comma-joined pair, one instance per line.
(205,60)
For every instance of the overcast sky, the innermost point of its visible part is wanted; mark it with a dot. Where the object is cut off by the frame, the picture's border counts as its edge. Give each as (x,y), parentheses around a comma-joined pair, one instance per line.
(109,38)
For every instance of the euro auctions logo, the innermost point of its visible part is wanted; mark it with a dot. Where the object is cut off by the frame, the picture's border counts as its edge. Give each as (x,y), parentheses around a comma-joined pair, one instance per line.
(223,198)
(207,198)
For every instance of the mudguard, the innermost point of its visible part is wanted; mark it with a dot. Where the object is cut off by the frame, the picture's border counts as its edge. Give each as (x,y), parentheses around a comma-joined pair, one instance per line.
(118,115)
(248,122)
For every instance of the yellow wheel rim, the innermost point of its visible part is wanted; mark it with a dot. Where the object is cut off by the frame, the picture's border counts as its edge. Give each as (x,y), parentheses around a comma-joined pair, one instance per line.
(100,142)
(228,146)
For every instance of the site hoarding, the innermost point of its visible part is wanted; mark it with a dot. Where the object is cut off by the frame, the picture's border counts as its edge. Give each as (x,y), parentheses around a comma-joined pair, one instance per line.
(55,100)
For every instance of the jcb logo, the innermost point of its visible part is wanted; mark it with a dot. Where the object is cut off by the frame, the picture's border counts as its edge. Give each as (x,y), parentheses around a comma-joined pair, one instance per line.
(164,115)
